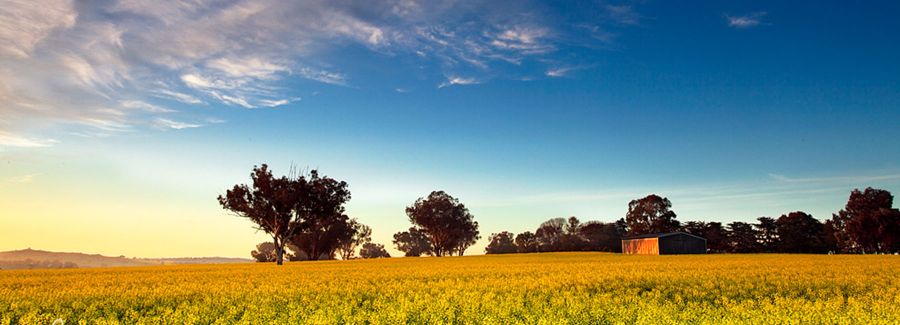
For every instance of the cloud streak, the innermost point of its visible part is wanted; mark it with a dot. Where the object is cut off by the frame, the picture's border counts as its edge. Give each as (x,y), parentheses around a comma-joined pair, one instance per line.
(12,140)
(170,124)
(745,21)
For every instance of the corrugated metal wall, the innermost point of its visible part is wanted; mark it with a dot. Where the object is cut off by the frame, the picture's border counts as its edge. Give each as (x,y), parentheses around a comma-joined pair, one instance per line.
(682,244)
(643,246)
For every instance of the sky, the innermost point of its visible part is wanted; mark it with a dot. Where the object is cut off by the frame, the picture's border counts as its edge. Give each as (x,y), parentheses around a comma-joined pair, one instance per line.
(121,121)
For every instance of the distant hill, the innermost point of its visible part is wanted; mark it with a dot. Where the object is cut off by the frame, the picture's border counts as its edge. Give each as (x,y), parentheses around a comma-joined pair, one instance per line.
(32,259)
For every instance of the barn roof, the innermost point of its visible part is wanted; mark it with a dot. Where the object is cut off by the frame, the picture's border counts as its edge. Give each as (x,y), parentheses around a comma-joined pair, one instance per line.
(661,235)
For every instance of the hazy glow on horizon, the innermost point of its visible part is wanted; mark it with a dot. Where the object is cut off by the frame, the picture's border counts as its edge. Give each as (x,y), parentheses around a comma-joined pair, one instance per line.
(121,122)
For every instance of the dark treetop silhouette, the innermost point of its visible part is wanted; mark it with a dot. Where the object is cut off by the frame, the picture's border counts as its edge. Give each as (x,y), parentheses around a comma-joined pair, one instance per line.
(650,215)
(306,209)
(447,223)
(868,223)
(413,242)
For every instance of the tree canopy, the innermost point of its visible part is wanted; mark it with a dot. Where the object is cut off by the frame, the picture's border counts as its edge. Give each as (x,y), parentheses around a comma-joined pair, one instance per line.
(372,250)
(501,243)
(413,242)
(306,210)
(649,215)
(868,223)
(447,223)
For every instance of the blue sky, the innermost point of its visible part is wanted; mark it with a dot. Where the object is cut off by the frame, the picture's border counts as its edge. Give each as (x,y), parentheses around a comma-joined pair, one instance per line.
(137,114)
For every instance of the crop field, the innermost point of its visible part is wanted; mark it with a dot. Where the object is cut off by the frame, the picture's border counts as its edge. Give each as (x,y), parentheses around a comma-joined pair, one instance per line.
(561,288)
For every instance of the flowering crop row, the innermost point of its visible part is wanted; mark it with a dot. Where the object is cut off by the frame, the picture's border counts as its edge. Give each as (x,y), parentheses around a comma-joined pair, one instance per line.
(558,288)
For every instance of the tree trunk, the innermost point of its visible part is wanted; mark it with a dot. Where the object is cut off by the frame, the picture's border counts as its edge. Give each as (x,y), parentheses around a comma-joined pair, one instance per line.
(279,252)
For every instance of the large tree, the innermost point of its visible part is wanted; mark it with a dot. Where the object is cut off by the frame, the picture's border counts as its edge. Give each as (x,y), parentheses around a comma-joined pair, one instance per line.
(323,225)
(412,242)
(868,223)
(361,234)
(447,222)
(799,232)
(269,202)
(649,215)
(501,243)
(306,210)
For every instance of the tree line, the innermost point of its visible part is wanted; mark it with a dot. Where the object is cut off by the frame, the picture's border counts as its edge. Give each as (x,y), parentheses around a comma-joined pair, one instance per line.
(305,216)
(867,224)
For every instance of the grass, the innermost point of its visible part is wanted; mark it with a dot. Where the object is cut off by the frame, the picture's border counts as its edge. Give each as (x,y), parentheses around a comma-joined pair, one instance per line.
(559,288)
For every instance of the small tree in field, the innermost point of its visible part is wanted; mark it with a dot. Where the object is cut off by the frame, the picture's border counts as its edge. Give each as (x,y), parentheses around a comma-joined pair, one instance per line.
(361,234)
(412,243)
(527,242)
(501,243)
(372,250)
(265,252)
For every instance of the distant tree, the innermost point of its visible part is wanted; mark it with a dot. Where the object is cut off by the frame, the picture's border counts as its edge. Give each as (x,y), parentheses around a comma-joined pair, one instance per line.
(716,237)
(798,232)
(571,239)
(413,242)
(501,243)
(651,214)
(868,223)
(696,228)
(742,238)
(715,234)
(361,234)
(828,237)
(603,237)
(767,234)
(550,235)
(447,222)
(526,242)
(265,252)
(372,250)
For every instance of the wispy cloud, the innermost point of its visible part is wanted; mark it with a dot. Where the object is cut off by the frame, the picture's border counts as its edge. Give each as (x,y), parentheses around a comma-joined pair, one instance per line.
(623,14)
(181,97)
(11,140)
(170,124)
(142,105)
(452,81)
(745,21)
(26,24)
(836,179)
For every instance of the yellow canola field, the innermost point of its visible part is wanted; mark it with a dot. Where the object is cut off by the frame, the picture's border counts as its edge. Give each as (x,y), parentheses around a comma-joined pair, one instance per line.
(559,288)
